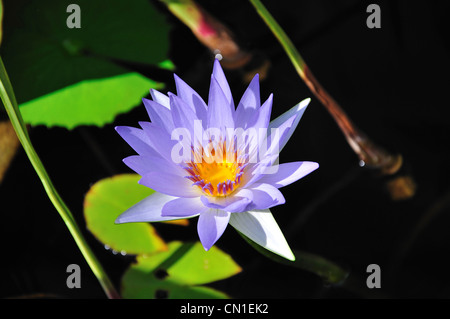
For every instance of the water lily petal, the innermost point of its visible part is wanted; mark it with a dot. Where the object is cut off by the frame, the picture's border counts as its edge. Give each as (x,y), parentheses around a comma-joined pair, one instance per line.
(183,116)
(231,204)
(265,196)
(288,173)
(192,98)
(211,225)
(297,110)
(249,104)
(220,116)
(219,75)
(160,98)
(261,227)
(159,139)
(147,210)
(137,139)
(182,207)
(170,184)
(262,119)
(159,114)
(146,164)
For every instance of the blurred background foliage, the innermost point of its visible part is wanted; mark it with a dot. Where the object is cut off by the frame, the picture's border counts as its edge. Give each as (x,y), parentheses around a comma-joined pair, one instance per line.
(75,85)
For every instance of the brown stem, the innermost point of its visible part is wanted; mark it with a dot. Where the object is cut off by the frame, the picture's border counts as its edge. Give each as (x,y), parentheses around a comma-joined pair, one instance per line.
(370,154)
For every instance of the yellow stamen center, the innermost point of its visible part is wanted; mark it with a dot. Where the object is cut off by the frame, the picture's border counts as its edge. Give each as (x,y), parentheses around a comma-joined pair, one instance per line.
(215,174)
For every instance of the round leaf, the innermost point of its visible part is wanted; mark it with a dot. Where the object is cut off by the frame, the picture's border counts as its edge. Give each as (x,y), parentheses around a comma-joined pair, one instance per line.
(106,200)
(175,271)
(43,55)
(90,102)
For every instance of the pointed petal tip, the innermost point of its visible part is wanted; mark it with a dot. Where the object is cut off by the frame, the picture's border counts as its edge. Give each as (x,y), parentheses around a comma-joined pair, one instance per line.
(304,103)
(119,220)
(122,129)
(290,257)
(260,227)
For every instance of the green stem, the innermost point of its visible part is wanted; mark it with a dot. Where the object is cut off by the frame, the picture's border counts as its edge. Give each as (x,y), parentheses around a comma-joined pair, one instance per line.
(369,153)
(11,106)
(282,37)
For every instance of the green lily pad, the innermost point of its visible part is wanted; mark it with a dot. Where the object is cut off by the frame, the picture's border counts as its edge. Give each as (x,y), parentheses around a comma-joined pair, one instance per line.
(106,200)
(43,55)
(177,272)
(92,102)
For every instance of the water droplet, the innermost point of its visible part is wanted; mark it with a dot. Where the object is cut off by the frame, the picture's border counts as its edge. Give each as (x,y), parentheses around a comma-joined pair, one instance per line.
(362,163)
(107,247)
(123,252)
(218,55)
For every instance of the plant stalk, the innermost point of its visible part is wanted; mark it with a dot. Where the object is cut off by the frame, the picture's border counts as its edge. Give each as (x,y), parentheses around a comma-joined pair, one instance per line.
(369,153)
(11,106)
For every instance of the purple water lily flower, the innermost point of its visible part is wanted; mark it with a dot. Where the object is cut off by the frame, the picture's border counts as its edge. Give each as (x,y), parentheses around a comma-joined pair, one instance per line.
(214,161)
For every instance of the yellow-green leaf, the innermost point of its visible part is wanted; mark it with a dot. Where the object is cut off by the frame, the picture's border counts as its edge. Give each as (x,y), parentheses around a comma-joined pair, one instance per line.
(106,200)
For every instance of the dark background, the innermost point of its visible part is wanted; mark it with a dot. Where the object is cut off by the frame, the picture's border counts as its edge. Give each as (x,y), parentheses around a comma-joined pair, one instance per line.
(393,82)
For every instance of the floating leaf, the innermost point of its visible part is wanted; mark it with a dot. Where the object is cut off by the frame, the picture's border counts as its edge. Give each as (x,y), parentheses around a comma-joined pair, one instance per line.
(175,271)
(90,102)
(43,55)
(138,284)
(106,200)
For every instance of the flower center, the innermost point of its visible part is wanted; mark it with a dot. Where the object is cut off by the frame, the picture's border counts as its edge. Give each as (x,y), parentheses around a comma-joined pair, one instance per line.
(215,173)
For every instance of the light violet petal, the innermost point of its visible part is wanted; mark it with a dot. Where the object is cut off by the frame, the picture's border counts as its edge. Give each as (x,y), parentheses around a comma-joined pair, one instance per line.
(183,116)
(277,137)
(159,139)
(160,98)
(249,104)
(159,114)
(146,164)
(261,227)
(288,173)
(220,115)
(211,225)
(265,196)
(219,75)
(147,210)
(262,119)
(231,204)
(191,98)
(182,207)
(297,110)
(256,171)
(170,184)
(137,139)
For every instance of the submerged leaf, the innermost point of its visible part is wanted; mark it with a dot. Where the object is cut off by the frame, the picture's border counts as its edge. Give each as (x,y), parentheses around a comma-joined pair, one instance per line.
(330,272)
